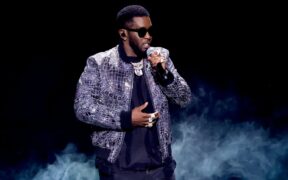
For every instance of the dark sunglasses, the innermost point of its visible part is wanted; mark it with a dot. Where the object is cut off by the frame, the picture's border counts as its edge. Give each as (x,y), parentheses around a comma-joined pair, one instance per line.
(141,31)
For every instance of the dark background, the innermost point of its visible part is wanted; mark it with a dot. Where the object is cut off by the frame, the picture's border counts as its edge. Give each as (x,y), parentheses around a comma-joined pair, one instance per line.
(237,49)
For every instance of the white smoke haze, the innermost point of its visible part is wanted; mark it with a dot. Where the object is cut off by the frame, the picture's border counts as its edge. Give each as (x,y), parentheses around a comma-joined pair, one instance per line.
(220,150)
(69,165)
(207,145)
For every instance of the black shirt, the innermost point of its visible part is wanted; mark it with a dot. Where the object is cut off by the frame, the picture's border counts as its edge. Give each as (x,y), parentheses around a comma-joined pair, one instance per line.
(140,149)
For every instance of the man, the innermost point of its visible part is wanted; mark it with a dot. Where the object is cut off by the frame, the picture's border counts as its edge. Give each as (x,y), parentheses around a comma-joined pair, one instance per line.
(124,94)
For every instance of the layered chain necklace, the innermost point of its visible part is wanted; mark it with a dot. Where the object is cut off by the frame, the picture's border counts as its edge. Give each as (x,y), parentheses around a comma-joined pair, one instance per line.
(138,68)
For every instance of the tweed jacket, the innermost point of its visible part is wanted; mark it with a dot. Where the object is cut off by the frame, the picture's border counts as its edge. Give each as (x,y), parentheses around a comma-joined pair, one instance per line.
(104,91)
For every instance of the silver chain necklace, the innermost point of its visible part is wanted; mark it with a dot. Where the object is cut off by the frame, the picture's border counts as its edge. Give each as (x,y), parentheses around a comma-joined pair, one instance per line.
(138,68)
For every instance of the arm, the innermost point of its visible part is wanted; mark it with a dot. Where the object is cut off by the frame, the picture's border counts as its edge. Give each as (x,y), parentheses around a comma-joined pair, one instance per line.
(88,105)
(170,82)
(178,90)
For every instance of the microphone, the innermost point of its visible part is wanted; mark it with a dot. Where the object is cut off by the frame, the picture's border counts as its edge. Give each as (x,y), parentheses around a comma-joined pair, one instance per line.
(158,51)
(150,50)
(162,73)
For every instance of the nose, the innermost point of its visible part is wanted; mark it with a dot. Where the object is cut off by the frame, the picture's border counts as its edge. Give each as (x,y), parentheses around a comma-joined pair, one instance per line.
(148,36)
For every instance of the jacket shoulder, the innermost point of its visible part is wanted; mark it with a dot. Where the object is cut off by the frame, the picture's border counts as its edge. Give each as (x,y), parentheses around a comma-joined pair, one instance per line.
(100,57)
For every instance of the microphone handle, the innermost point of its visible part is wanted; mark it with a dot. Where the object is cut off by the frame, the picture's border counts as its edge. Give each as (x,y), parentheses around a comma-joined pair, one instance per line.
(161,71)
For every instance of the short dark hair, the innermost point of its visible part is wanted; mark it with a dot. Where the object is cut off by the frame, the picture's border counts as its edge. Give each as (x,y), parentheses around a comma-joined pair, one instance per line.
(128,12)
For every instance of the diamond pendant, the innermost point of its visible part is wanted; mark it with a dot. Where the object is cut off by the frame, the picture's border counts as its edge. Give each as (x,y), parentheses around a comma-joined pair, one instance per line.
(138,68)
(138,72)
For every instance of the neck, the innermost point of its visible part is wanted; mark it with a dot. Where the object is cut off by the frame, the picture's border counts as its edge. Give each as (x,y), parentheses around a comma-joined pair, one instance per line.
(128,49)
(128,58)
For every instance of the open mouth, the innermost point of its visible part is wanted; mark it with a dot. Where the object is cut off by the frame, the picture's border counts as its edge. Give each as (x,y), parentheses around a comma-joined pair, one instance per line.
(146,46)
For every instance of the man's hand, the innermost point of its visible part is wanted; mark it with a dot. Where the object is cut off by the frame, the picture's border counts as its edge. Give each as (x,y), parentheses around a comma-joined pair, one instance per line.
(142,119)
(156,58)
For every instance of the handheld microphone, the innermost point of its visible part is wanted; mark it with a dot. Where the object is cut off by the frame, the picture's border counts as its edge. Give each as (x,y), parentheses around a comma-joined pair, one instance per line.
(163,76)
(160,70)
(151,50)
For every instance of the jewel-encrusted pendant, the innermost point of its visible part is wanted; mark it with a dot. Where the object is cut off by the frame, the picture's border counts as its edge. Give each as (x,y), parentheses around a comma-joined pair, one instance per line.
(138,72)
(138,68)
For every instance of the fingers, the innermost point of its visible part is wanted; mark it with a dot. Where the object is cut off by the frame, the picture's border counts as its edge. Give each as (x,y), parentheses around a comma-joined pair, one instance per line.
(157,115)
(148,121)
(152,119)
(150,124)
(155,58)
(140,118)
(146,117)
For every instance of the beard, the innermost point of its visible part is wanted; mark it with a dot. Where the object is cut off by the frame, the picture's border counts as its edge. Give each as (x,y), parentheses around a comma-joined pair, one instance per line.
(137,50)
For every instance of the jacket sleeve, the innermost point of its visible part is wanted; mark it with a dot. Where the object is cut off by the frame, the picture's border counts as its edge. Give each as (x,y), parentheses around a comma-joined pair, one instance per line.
(88,105)
(178,90)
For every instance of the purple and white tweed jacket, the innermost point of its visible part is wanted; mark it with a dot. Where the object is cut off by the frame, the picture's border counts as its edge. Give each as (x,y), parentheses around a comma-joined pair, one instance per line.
(104,91)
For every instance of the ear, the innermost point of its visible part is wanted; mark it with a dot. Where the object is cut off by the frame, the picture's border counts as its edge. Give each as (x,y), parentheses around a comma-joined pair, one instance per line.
(122,34)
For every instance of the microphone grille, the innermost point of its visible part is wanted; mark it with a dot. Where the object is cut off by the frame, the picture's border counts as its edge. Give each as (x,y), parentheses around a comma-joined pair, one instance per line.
(150,50)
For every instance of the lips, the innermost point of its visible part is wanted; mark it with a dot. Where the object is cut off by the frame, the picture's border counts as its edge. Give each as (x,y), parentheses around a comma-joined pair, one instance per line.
(146,46)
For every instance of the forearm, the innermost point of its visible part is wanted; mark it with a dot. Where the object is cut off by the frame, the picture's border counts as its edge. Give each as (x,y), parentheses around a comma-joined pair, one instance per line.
(89,104)
(97,115)
(176,90)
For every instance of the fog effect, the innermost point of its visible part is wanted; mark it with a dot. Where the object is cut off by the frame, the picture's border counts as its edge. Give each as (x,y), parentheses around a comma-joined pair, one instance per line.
(207,145)
(208,150)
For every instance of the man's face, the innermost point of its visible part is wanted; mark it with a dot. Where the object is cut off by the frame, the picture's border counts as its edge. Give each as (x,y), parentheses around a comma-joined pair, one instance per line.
(139,34)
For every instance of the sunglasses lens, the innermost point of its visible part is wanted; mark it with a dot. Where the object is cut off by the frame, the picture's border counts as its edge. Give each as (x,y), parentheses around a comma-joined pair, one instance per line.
(142,32)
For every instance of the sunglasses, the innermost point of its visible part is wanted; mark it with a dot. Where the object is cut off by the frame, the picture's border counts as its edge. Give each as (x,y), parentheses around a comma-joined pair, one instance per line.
(141,31)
